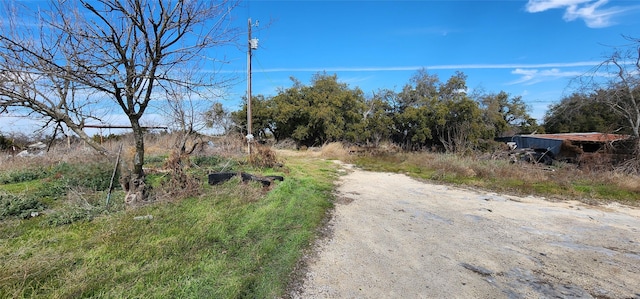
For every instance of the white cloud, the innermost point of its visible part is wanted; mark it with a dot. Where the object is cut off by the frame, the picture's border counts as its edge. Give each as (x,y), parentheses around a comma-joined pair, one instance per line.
(432,67)
(533,76)
(534,6)
(592,12)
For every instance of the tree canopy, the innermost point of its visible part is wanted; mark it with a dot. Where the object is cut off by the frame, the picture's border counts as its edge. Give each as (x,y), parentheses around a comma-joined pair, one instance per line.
(583,113)
(426,113)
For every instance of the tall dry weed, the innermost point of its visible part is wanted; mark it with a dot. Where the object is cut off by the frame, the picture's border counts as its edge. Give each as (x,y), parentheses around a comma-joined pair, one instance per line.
(334,150)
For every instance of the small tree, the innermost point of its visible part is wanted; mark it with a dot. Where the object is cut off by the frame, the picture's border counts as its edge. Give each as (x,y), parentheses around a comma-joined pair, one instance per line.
(125,50)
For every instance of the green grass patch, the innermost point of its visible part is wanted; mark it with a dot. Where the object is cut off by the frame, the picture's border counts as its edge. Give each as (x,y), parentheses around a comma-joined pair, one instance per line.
(235,241)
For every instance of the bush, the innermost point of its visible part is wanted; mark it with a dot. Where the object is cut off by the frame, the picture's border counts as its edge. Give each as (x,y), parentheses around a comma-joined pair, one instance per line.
(95,176)
(334,150)
(5,143)
(14,206)
(73,214)
(263,157)
(23,175)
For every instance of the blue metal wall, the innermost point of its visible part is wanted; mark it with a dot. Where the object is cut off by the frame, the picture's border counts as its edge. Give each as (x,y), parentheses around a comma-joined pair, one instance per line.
(553,145)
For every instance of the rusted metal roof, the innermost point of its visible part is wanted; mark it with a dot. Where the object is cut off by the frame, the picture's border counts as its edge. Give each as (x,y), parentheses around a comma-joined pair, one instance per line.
(582,137)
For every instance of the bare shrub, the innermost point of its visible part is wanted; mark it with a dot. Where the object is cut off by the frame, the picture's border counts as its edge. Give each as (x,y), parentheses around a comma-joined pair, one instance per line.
(624,181)
(179,184)
(262,156)
(445,164)
(595,162)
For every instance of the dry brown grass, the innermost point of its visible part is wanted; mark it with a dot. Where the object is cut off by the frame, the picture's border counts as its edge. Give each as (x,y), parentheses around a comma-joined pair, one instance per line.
(334,150)
(562,180)
(625,181)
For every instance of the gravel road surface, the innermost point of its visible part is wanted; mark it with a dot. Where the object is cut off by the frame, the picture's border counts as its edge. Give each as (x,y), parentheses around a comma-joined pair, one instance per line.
(395,237)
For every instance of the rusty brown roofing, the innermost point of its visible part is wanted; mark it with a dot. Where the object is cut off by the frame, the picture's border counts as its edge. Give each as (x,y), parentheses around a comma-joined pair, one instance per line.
(583,137)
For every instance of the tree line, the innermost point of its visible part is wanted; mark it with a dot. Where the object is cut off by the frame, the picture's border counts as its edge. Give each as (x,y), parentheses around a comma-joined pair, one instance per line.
(426,113)
(430,113)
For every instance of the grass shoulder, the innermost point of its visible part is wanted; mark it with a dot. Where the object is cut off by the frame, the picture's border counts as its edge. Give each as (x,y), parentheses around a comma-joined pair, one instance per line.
(561,181)
(234,240)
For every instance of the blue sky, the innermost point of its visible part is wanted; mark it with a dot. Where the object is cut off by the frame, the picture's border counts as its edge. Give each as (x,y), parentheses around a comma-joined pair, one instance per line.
(527,48)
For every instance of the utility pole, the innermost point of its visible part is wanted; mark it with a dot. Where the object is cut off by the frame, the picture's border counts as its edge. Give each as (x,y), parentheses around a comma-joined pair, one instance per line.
(252,45)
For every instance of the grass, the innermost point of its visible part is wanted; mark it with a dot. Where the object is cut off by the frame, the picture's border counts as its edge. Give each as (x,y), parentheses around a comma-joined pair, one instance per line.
(561,181)
(234,241)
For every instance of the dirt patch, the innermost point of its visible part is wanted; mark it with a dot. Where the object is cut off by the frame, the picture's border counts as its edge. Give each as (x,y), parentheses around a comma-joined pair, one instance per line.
(393,237)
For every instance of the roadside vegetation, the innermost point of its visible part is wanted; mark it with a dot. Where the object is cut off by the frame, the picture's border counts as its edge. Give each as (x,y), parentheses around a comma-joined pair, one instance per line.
(560,181)
(58,239)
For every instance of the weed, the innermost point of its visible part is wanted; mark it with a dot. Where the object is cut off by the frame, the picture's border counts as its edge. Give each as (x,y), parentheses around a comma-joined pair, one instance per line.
(72,214)
(334,150)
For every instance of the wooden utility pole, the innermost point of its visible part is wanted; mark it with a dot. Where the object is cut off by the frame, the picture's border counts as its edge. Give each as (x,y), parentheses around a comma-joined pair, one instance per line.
(249,126)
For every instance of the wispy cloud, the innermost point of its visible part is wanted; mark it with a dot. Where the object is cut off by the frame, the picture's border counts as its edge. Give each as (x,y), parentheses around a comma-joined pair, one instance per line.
(533,76)
(595,13)
(432,67)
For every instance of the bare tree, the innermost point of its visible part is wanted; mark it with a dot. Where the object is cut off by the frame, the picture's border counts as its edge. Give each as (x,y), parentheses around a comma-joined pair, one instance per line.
(129,51)
(621,88)
(30,85)
(186,110)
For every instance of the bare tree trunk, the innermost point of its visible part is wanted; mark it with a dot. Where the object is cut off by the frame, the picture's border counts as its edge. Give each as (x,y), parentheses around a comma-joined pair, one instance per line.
(133,183)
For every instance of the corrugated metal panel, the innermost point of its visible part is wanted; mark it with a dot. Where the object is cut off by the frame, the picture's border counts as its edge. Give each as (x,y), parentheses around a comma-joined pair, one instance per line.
(535,142)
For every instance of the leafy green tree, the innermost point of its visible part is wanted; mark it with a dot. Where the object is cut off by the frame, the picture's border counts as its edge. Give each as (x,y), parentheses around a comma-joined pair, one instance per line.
(463,125)
(506,115)
(377,124)
(312,115)
(431,113)
(261,117)
(583,113)
(416,112)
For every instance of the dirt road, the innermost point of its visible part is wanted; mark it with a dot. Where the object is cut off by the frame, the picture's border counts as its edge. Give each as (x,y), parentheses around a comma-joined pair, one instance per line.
(395,237)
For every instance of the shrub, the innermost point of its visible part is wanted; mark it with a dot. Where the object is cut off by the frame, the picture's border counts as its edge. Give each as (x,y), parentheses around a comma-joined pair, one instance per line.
(263,157)
(22,175)
(14,206)
(334,150)
(95,176)
(5,143)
